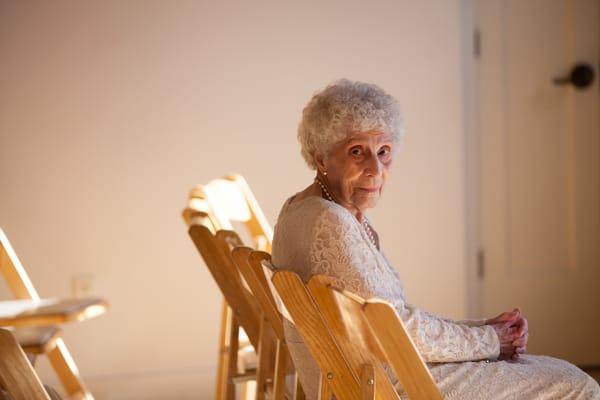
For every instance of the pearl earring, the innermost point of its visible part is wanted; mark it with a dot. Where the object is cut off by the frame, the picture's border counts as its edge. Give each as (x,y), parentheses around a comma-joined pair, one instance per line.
(324,173)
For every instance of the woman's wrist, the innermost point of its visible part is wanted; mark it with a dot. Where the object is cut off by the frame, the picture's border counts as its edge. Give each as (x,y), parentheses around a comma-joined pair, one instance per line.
(496,339)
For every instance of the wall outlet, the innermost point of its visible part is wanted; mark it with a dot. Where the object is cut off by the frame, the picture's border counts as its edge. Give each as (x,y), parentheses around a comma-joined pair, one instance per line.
(82,285)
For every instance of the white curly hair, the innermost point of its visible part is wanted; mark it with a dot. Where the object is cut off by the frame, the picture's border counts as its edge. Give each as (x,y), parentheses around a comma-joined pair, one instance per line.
(342,108)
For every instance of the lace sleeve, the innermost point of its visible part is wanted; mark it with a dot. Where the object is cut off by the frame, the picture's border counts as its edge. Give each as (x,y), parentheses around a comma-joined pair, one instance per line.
(443,340)
(472,322)
(467,322)
(339,249)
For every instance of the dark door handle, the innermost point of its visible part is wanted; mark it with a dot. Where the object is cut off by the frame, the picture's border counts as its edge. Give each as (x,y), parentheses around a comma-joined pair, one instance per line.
(581,76)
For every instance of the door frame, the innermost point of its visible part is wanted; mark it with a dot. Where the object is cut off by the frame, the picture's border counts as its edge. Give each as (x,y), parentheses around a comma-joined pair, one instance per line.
(470,76)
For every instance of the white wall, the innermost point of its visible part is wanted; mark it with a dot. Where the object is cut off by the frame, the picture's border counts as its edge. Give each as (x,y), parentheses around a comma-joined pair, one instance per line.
(110,111)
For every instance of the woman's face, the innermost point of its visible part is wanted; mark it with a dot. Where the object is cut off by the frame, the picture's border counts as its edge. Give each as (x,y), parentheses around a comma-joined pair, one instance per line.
(357,169)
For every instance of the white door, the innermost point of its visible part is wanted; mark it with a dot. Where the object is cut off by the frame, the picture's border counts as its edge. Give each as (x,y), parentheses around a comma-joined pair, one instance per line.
(538,184)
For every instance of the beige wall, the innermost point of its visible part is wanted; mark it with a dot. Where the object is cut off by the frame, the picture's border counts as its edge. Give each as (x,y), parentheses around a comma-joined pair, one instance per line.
(110,111)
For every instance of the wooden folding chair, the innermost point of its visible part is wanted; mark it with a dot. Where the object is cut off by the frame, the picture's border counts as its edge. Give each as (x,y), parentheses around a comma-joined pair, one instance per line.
(36,319)
(224,204)
(245,314)
(251,265)
(368,331)
(337,375)
(266,370)
(234,346)
(17,376)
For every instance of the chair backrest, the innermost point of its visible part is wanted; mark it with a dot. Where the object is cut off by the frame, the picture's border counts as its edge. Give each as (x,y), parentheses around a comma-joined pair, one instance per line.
(253,266)
(350,329)
(374,327)
(17,376)
(199,212)
(324,348)
(229,200)
(215,249)
(15,275)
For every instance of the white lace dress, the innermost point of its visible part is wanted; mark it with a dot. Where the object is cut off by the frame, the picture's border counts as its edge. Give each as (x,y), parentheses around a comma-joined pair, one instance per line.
(316,236)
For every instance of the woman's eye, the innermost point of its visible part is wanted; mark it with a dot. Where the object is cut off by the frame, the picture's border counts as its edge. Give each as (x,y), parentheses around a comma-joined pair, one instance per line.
(356,151)
(384,151)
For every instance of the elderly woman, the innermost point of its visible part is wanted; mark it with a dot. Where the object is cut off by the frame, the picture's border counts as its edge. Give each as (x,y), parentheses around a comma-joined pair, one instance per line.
(349,134)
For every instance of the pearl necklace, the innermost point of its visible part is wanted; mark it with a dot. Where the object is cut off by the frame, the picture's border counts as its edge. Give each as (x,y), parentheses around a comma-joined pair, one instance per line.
(329,197)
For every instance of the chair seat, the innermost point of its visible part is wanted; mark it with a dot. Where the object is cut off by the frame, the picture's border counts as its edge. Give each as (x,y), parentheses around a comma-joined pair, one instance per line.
(37,340)
(49,311)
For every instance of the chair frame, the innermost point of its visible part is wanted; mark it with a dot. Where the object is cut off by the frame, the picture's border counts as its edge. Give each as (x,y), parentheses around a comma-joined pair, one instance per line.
(240,309)
(251,265)
(198,212)
(359,348)
(204,209)
(350,338)
(337,376)
(207,205)
(374,327)
(55,348)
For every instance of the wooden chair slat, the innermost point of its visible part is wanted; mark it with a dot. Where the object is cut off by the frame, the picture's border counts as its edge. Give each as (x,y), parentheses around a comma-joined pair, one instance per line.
(374,327)
(245,302)
(228,282)
(249,263)
(17,376)
(401,352)
(367,382)
(344,318)
(313,329)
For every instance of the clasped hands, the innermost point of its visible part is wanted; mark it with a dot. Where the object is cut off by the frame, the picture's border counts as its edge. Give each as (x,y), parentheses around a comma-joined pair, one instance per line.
(512,330)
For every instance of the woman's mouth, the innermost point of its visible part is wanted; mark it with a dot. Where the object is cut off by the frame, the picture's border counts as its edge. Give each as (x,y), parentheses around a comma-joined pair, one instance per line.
(373,189)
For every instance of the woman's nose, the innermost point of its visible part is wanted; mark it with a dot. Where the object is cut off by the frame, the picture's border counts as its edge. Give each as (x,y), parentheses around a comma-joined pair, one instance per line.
(373,166)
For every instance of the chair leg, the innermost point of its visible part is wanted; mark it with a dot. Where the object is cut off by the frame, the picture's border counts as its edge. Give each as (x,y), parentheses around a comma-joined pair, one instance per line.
(244,391)
(223,359)
(367,382)
(232,359)
(280,369)
(66,370)
(248,391)
(298,391)
(263,367)
(324,389)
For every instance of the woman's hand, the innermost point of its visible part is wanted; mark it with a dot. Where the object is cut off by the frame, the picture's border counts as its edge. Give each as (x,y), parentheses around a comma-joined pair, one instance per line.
(513,332)
(520,344)
(504,317)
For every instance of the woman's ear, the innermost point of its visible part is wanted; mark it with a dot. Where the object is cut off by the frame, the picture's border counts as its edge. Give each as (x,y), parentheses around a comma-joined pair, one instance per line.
(319,159)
